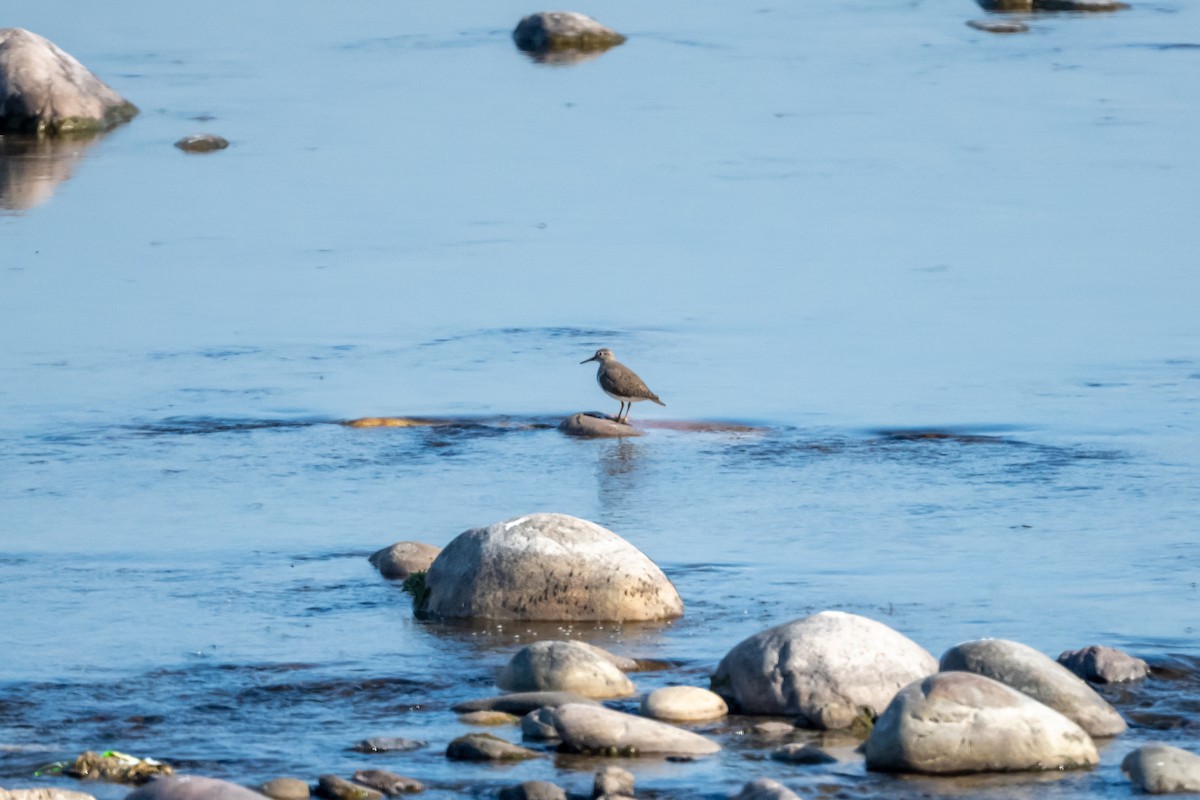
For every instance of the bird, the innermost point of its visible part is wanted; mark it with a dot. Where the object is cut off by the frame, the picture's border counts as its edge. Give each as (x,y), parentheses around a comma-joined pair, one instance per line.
(620,383)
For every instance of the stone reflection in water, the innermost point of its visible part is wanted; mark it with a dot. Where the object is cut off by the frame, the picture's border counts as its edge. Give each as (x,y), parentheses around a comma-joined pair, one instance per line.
(31,168)
(617,477)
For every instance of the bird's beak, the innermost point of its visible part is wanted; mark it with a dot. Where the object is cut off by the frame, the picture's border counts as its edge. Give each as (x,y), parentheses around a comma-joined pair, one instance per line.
(593,358)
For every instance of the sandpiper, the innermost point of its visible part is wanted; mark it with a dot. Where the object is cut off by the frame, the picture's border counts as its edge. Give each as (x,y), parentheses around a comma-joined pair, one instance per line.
(620,383)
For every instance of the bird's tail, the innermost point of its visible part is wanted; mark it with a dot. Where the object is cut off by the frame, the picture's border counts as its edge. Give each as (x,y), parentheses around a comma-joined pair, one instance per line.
(660,402)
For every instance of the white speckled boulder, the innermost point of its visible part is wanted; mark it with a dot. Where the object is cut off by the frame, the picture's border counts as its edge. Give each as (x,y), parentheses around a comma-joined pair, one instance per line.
(960,722)
(1162,769)
(546,567)
(829,668)
(45,91)
(1035,674)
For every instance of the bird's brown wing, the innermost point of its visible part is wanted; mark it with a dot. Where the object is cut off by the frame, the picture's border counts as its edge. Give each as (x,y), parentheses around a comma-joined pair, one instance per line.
(624,382)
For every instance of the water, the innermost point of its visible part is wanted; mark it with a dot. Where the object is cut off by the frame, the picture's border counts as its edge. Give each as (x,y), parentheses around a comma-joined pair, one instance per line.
(843,225)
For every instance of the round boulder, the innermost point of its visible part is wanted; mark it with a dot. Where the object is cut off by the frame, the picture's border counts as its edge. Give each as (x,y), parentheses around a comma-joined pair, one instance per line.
(1028,671)
(563,30)
(564,666)
(1162,769)
(192,787)
(828,669)
(683,704)
(45,91)
(546,567)
(403,559)
(960,722)
(1100,664)
(600,730)
(285,789)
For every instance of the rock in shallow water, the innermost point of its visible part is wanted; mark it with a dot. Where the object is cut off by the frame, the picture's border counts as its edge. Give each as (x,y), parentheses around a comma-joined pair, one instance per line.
(960,722)
(806,753)
(488,718)
(683,704)
(564,666)
(45,91)
(521,702)
(387,782)
(332,787)
(402,559)
(1100,664)
(612,782)
(765,789)
(563,30)
(202,143)
(1161,769)
(1033,673)
(1052,5)
(597,427)
(192,787)
(538,725)
(598,730)
(546,567)
(533,790)
(998,26)
(285,789)
(485,747)
(827,669)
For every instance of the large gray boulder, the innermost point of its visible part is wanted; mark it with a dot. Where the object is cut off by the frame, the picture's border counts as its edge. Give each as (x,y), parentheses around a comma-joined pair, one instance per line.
(546,567)
(600,730)
(960,722)
(192,787)
(1162,769)
(1033,673)
(830,669)
(564,666)
(45,91)
(1099,664)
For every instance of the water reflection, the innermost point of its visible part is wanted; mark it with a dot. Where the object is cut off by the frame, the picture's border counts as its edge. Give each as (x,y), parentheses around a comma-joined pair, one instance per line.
(562,58)
(31,168)
(617,477)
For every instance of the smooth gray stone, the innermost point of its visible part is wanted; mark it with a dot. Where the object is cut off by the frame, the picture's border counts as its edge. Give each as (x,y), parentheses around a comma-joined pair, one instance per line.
(485,747)
(807,753)
(332,787)
(593,426)
(202,143)
(520,702)
(1029,671)
(533,790)
(1162,769)
(825,669)
(402,559)
(557,30)
(595,729)
(192,787)
(1100,664)
(388,744)
(387,782)
(564,666)
(765,789)
(286,789)
(612,781)
(538,725)
(961,722)
(546,567)
(683,704)
(46,91)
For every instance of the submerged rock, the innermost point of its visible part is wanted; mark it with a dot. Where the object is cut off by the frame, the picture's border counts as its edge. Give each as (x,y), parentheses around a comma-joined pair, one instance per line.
(533,790)
(332,787)
(1162,769)
(1052,5)
(387,744)
(598,730)
(1100,664)
(485,747)
(1029,671)
(538,725)
(765,789)
(546,567)
(961,722)
(402,559)
(798,753)
(488,718)
(998,26)
(45,91)
(830,669)
(521,702)
(547,31)
(612,782)
(597,427)
(202,143)
(564,666)
(387,782)
(683,704)
(192,787)
(285,789)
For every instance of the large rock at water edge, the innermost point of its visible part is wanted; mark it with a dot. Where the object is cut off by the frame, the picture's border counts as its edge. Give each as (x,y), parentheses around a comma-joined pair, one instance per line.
(830,668)
(563,30)
(564,666)
(958,722)
(1161,769)
(602,731)
(192,787)
(546,567)
(1100,664)
(45,91)
(1028,671)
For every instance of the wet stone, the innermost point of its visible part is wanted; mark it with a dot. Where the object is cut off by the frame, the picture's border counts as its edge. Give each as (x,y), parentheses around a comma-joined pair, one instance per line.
(332,787)
(1100,664)
(612,781)
(998,26)
(807,753)
(597,730)
(387,744)
(565,666)
(387,782)
(485,747)
(202,143)
(765,789)
(683,704)
(533,790)
(773,728)
(538,725)
(402,559)
(597,426)
(521,702)
(1162,769)
(488,718)
(192,787)
(563,30)
(285,789)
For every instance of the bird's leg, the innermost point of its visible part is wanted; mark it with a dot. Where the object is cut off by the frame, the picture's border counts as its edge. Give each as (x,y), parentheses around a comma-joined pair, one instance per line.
(628,408)
(619,410)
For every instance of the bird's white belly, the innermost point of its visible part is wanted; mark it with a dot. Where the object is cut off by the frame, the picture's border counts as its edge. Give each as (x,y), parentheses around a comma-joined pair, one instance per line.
(622,399)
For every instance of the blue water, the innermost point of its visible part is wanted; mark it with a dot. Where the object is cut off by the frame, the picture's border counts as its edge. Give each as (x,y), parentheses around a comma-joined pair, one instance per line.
(842,224)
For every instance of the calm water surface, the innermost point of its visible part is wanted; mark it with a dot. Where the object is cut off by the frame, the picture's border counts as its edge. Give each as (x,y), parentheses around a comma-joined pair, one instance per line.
(838,223)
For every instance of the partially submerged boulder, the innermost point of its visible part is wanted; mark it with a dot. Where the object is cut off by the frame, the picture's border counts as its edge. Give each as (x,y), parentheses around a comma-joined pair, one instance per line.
(1033,673)
(402,559)
(961,722)
(202,143)
(683,704)
(765,789)
(547,31)
(998,26)
(597,730)
(597,426)
(1053,5)
(1100,664)
(564,666)
(485,747)
(47,92)
(192,787)
(1162,769)
(830,669)
(546,567)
